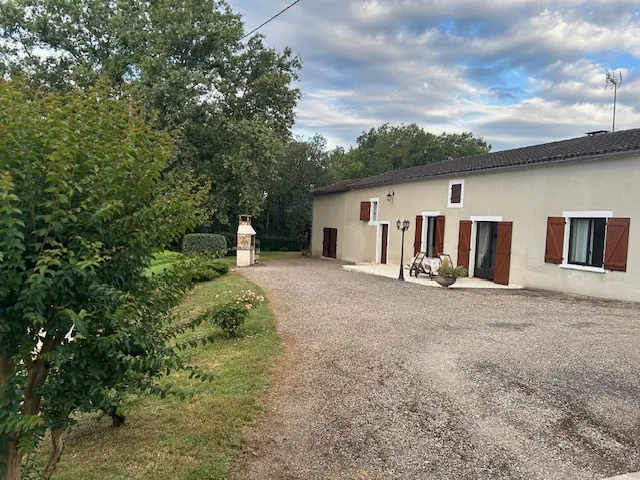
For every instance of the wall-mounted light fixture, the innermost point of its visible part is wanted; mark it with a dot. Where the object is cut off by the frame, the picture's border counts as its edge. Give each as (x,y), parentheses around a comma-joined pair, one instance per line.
(391,194)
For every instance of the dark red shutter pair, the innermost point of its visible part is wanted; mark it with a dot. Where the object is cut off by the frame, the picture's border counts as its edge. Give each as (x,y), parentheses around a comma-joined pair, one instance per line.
(417,242)
(616,243)
(503,250)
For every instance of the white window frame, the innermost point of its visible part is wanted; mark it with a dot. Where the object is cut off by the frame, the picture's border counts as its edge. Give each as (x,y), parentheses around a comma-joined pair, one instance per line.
(568,215)
(451,184)
(423,234)
(474,237)
(378,243)
(377,202)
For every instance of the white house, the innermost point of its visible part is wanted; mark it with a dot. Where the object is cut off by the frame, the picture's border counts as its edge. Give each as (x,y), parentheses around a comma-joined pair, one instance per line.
(555,216)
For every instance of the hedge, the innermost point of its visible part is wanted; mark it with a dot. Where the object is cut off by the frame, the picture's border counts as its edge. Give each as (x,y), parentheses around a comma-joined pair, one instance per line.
(279,244)
(204,242)
(205,270)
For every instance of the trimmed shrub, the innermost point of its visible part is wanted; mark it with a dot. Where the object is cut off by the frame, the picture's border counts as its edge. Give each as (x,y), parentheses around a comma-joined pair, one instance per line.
(204,243)
(205,269)
(279,244)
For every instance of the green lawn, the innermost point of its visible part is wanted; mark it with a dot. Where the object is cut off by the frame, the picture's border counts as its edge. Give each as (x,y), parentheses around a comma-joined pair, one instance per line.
(164,260)
(266,257)
(193,439)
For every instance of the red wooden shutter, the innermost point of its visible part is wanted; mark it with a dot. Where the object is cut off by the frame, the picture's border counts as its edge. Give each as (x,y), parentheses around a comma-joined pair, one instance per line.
(417,242)
(464,243)
(365,211)
(439,235)
(617,244)
(555,240)
(503,253)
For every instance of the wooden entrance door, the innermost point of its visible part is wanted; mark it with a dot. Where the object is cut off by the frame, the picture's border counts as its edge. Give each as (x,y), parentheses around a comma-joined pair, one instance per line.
(330,242)
(385,246)
(486,245)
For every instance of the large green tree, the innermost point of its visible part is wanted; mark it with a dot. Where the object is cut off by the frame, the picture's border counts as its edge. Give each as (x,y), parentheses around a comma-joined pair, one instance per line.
(232,99)
(390,147)
(83,205)
(288,204)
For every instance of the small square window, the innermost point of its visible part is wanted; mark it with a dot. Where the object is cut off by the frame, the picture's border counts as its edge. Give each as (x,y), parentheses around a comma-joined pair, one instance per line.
(586,241)
(456,193)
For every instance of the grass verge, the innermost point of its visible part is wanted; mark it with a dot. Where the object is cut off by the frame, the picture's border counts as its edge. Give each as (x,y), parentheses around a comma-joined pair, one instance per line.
(164,260)
(197,438)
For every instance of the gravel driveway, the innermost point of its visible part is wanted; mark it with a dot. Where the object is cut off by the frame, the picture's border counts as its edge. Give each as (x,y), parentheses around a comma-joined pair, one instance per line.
(391,380)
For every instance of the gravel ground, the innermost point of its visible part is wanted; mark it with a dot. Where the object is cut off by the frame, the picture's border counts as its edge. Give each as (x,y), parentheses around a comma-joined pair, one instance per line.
(384,379)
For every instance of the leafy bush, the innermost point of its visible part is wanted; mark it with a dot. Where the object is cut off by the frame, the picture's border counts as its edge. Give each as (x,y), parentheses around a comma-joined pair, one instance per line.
(204,269)
(84,204)
(446,270)
(234,310)
(204,242)
(164,257)
(231,239)
(279,244)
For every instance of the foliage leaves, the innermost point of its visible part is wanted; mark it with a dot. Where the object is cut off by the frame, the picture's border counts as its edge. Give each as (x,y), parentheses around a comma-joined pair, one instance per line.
(389,147)
(83,204)
(232,100)
(204,242)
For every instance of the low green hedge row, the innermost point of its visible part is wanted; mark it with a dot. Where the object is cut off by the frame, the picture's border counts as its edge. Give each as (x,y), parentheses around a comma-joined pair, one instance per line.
(205,270)
(195,243)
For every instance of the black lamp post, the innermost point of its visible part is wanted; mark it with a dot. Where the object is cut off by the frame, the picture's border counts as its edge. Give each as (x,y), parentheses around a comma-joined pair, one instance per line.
(404,226)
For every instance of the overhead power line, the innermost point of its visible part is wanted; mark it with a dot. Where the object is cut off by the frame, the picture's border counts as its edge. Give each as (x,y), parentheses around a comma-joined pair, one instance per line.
(272,18)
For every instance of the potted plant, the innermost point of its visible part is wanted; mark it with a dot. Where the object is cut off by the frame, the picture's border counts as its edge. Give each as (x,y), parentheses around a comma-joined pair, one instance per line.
(447,275)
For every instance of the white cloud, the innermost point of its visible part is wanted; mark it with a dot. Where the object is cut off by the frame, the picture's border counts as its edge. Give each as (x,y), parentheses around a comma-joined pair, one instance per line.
(515,71)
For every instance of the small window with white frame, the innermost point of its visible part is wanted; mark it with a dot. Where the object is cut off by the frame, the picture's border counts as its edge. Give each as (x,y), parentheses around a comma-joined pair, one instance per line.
(456,194)
(374,210)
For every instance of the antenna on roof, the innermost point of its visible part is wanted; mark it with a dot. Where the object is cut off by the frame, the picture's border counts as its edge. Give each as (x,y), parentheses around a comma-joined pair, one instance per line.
(614,80)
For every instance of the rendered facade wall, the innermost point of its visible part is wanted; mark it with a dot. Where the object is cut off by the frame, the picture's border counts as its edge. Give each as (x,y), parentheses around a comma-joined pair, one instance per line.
(525,196)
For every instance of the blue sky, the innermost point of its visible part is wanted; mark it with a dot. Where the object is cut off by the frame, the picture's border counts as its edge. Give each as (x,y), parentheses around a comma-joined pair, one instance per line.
(517,72)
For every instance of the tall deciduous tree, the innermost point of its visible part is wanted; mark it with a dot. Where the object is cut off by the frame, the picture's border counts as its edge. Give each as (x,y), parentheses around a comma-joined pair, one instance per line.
(233,100)
(289,203)
(83,205)
(388,148)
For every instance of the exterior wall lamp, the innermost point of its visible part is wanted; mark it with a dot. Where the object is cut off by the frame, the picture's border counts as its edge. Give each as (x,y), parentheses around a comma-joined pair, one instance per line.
(391,194)
(403,226)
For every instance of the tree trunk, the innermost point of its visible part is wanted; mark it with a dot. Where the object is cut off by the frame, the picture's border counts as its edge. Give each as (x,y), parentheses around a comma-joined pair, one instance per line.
(11,459)
(58,447)
(13,462)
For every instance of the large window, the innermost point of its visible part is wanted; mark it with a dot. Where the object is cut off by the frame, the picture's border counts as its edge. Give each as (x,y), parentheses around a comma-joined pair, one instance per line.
(586,241)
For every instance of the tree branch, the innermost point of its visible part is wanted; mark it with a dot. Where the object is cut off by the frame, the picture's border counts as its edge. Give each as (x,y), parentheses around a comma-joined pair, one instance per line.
(54,459)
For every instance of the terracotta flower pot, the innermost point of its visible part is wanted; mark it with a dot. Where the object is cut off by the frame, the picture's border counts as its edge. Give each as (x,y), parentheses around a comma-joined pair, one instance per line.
(445,281)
